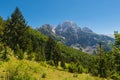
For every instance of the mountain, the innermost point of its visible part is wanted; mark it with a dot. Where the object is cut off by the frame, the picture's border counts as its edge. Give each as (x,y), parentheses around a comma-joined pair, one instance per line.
(73,35)
(86,29)
(111,35)
(47,29)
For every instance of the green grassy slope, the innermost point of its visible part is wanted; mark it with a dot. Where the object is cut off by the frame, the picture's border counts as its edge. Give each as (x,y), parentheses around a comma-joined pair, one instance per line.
(30,70)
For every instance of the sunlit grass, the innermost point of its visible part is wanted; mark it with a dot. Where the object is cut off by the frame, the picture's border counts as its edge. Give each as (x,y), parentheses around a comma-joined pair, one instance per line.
(39,71)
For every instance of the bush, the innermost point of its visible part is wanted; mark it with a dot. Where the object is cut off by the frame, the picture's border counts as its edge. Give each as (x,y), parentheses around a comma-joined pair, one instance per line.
(63,65)
(44,75)
(80,69)
(75,75)
(21,69)
(51,62)
(95,72)
(4,52)
(22,77)
(19,52)
(115,76)
(72,68)
(76,68)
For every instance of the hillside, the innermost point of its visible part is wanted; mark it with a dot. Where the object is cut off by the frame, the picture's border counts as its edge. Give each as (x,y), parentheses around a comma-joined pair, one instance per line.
(31,70)
(72,35)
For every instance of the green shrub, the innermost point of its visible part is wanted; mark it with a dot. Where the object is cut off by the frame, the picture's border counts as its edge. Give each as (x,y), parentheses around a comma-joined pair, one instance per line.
(75,75)
(21,70)
(72,68)
(1,76)
(51,62)
(80,69)
(115,76)
(63,65)
(22,77)
(43,75)
(95,72)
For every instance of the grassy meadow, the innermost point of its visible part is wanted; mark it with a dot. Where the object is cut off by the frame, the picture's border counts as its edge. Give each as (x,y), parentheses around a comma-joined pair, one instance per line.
(31,70)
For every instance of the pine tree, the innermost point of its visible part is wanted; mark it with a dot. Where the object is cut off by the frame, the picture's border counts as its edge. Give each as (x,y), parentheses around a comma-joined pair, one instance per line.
(56,54)
(52,51)
(2,22)
(117,51)
(14,32)
(49,49)
(102,62)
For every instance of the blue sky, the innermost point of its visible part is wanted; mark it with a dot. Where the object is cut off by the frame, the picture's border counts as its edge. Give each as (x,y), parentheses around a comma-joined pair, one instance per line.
(102,16)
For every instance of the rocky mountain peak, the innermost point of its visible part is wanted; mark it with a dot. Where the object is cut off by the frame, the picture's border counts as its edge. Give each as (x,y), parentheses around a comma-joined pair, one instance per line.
(47,26)
(68,23)
(72,35)
(86,29)
(68,26)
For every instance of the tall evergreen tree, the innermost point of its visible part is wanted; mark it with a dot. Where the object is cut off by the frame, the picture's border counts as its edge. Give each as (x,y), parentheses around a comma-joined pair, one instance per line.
(1,25)
(14,32)
(56,54)
(102,61)
(52,51)
(116,52)
(50,48)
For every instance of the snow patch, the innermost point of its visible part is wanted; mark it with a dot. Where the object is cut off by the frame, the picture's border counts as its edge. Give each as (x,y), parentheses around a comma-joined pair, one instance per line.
(53,30)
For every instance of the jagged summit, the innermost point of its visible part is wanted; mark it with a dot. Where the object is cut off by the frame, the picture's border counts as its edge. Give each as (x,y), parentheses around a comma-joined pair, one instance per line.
(72,35)
(68,23)
(68,26)
(86,29)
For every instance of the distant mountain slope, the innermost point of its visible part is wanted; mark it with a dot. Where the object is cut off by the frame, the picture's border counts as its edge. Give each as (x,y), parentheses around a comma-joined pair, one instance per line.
(72,35)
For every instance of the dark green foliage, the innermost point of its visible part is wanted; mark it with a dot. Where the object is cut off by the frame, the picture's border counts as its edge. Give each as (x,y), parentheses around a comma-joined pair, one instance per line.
(19,52)
(76,68)
(52,51)
(30,56)
(101,63)
(14,32)
(75,75)
(37,42)
(4,56)
(72,68)
(79,69)
(51,62)
(117,39)
(44,75)
(63,65)
(2,23)
(69,55)
(115,76)
(102,68)
(21,38)
(116,53)
(36,39)
(104,63)
(3,52)
(39,56)
(56,55)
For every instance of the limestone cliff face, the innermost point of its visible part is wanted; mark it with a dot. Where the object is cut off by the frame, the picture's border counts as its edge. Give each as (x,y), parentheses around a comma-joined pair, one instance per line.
(73,35)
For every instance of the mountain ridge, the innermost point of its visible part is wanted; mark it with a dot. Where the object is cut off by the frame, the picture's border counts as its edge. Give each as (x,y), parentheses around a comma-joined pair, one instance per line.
(73,35)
